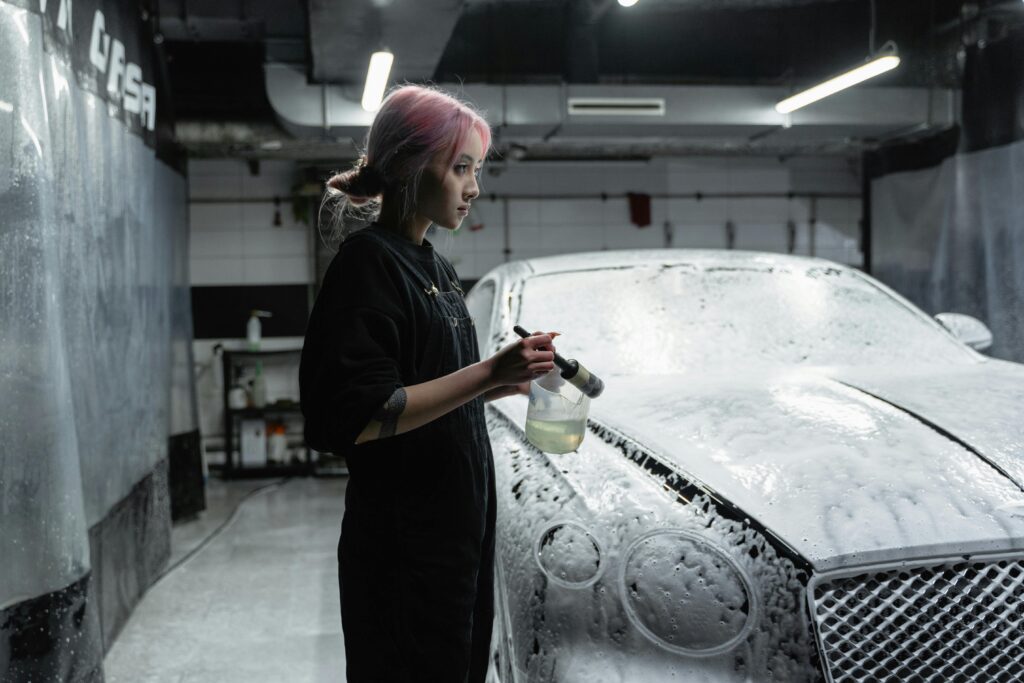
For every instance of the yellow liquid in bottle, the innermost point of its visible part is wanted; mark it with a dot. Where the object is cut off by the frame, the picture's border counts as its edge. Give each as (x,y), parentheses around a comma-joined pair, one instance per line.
(556,437)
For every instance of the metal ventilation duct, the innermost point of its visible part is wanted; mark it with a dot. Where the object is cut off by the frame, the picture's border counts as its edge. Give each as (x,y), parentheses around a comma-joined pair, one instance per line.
(342,35)
(530,113)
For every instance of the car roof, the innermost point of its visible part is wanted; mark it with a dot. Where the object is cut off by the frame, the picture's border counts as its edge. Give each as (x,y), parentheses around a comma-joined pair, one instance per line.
(698,258)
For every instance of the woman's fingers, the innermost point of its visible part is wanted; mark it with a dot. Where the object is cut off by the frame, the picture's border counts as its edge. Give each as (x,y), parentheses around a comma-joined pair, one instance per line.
(538,340)
(544,340)
(551,335)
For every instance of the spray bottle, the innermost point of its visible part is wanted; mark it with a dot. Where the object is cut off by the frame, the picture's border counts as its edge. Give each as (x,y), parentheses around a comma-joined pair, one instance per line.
(556,417)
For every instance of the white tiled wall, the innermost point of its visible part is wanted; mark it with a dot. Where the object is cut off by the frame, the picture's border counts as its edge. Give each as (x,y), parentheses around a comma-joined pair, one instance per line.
(236,243)
(541,226)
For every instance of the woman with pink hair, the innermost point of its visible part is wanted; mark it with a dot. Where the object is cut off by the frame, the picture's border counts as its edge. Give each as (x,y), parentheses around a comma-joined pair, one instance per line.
(391,378)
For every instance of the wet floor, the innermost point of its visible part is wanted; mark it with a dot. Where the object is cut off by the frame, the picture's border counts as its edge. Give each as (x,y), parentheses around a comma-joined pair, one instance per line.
(258,602)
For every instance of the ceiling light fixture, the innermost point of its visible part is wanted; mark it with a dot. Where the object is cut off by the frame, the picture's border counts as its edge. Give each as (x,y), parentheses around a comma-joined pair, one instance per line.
(377,79)
(627,3)
(885,60)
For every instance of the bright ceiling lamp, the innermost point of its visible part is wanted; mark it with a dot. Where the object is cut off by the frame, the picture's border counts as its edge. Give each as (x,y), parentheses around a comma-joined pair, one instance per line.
(377,80)
(885,60)
(627,3)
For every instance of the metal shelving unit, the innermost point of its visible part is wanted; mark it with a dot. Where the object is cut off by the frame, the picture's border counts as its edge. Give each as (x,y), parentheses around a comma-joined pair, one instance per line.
(233,361)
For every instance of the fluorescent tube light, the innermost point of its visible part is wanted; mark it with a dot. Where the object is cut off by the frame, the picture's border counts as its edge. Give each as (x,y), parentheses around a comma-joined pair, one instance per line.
(852,77)
(377,80)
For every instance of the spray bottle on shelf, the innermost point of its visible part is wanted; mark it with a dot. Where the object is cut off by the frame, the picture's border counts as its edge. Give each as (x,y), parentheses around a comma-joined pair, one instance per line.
(253,329)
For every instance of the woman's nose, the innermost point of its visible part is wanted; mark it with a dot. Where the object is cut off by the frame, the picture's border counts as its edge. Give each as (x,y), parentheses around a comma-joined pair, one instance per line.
(473,191)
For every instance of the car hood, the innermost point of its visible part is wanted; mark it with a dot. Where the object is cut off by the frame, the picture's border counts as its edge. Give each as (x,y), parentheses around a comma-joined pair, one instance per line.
(847,467)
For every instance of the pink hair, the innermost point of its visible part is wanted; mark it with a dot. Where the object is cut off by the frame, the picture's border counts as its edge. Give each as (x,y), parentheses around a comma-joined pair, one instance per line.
(427,122)
(414,125)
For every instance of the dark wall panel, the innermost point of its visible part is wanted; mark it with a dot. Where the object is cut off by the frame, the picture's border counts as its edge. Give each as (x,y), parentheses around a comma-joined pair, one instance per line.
(129,549)
(222,312)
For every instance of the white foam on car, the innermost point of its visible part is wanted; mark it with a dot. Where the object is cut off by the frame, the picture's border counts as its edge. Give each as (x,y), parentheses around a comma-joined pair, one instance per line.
(570,634)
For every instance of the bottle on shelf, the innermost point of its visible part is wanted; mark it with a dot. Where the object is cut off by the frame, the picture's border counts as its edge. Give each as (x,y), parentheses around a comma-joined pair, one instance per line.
(277,451)
(254,329)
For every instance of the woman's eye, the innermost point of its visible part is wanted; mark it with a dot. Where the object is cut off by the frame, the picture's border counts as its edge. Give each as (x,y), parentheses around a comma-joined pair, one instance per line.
(461,168)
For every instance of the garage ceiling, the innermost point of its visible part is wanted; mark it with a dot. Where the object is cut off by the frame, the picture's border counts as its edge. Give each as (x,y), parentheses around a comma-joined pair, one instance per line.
(219,52)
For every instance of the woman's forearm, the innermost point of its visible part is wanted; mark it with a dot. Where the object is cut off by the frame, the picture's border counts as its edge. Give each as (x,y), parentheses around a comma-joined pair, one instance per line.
(414,406)
(504,390)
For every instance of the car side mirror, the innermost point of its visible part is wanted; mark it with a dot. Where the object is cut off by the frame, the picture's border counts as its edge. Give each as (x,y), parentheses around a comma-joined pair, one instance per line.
(970,331)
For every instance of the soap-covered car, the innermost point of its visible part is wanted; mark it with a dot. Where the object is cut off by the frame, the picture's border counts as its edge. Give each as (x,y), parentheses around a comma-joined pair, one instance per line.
(793,474)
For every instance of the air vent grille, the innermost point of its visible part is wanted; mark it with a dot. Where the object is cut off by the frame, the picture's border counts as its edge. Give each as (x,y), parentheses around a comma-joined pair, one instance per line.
(616,106)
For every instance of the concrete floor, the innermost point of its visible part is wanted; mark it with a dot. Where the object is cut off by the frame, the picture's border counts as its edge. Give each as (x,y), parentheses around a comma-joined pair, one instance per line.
(258,603)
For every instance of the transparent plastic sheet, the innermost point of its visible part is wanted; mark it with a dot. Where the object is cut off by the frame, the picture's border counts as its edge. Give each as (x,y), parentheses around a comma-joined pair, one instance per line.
(951,239)
(87,243)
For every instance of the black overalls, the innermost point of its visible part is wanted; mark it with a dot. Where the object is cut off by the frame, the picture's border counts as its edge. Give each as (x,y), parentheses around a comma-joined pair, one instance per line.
(417,544)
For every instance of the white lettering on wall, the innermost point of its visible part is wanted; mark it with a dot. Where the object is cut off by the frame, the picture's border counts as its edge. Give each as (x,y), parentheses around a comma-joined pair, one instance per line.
(115,72)
(133,89)
(99,44)
(124,79)
(149,106)
(63,15)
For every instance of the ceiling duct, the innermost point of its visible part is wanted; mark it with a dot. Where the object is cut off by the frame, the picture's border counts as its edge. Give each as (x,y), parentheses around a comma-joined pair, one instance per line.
(733,114)
(617,106)
(343,35)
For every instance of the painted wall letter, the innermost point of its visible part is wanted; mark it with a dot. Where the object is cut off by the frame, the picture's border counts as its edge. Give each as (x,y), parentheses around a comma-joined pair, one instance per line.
(99,44)
(148,106)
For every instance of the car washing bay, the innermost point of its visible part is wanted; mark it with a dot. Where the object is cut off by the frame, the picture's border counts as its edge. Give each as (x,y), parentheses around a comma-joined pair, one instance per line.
(230,607)
(782,239)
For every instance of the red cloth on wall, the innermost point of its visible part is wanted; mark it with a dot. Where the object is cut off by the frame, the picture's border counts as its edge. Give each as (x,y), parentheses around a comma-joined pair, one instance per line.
(639,209)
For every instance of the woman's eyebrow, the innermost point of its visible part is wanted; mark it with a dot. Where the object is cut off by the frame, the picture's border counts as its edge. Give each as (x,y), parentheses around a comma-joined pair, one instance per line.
(469,158)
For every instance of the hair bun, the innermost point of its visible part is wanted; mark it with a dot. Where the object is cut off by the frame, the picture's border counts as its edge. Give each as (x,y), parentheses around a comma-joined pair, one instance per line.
(360,184)
(339,181)
(371,180)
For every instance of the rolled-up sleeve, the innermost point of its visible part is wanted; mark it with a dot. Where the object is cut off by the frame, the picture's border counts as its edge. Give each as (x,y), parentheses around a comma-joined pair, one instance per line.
(351,355)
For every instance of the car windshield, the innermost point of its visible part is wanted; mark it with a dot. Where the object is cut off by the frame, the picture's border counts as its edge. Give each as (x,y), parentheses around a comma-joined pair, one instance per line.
(680,317)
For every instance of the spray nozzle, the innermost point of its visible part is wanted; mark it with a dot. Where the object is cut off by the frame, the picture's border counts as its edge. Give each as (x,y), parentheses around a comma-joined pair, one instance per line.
(573,371)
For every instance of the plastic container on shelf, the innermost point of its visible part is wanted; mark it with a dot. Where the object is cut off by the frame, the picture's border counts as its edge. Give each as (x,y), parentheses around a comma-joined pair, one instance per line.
(254,329)
(277,451)
(253,451)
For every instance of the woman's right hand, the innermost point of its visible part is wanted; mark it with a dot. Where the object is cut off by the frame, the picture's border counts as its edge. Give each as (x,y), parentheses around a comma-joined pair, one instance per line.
(523,360)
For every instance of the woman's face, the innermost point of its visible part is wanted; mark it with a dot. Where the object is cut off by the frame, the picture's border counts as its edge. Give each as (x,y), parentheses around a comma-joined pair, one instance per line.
(446,190)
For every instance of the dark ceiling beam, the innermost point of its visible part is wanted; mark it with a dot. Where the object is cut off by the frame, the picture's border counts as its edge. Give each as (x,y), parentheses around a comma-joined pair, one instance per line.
(581,45)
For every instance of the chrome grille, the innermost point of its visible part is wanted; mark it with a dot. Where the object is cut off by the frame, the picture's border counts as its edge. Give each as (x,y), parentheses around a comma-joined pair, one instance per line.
(957,621)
